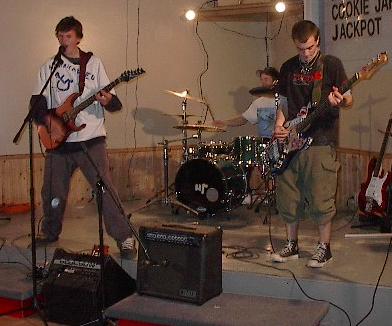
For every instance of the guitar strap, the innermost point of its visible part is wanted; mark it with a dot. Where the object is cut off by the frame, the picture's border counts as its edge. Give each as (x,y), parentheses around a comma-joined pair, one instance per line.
(84,58)
(318,80)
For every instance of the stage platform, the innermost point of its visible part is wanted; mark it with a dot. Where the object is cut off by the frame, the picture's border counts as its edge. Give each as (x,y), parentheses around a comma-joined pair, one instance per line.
(348,281)
(224,310)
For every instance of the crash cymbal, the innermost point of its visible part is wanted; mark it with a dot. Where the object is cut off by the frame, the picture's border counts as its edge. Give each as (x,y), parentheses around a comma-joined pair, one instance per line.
(185,95)
(200,127)
(258,91)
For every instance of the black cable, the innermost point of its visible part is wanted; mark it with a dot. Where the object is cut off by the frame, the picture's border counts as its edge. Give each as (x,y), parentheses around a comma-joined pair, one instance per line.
(204,114)
(19,249)
(137,79)
(299,285)
(4,241)
(16,263)
(266,41)
(135,93)
(378,282)
(238,33)
(205,110)
(294,277)
(253,36)
(241,252)
(280,27)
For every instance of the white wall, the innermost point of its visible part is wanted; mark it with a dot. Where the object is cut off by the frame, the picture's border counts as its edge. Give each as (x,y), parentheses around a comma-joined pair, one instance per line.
(168,50)
(359,127)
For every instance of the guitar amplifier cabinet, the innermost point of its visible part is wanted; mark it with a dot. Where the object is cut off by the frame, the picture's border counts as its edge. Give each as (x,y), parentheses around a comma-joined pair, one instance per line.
(71,293)
(185,262)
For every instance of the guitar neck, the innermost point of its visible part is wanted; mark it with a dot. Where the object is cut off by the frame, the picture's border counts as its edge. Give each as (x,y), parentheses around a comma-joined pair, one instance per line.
(91,99)
(324,105)
(382,150)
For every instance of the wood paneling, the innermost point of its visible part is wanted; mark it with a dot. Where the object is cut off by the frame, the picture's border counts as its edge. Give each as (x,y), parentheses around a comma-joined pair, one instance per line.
(138,173)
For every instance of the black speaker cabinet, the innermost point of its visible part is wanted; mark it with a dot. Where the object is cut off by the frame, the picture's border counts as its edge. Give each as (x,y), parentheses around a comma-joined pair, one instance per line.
(71,292)
(186,262)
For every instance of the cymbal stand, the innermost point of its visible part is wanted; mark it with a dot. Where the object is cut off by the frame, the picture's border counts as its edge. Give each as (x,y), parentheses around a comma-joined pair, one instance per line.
(167,200)
(184,131)
(166,171)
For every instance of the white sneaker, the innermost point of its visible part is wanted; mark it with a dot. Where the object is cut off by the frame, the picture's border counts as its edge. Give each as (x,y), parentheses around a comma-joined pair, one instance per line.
(127,248)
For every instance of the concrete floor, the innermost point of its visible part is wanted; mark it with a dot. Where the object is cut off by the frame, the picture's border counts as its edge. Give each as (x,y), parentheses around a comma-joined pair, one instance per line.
(355,260)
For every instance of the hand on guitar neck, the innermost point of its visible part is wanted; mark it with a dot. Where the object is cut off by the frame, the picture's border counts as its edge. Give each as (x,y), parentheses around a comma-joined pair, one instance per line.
(104,97)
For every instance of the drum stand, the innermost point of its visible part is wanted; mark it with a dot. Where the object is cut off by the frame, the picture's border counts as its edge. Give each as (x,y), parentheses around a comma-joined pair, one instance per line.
(269,196)
(168,198)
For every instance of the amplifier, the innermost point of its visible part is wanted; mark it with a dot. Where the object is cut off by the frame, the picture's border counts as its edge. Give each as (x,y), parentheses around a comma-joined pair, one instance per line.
(71,292)
(186,262)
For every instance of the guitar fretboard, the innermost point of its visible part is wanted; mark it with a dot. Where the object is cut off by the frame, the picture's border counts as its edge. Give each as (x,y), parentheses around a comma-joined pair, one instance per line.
(126,76)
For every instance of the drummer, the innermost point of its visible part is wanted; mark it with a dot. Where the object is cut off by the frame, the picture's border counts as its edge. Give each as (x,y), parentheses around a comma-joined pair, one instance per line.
(261,111)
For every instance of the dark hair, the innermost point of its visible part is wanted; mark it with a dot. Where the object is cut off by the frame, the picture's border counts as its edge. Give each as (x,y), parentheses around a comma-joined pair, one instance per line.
(270,71)
(70,23)
(304,29)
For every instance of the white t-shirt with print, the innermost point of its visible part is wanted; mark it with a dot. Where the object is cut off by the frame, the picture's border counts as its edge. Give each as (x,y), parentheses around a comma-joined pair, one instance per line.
(65,82)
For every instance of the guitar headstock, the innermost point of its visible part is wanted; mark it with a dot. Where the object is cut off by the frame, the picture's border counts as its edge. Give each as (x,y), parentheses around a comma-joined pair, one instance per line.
(131,74)
(372,67)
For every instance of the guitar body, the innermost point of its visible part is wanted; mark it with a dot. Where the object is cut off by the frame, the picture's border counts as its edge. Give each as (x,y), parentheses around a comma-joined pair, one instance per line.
(281,153)
(57,125)
(373,196)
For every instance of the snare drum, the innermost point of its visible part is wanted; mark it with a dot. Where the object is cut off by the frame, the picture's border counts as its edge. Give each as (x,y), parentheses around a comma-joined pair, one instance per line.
(209,186)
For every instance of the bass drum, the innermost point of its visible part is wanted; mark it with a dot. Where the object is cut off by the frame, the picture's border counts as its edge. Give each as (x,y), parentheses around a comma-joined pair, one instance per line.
(208,186)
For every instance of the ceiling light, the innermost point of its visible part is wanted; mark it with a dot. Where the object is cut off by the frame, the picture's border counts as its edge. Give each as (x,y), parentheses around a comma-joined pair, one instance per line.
(190,14)
(280,6)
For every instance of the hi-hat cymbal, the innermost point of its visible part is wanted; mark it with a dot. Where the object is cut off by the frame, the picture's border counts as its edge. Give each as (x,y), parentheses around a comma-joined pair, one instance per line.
(185,95)
(258,91)
(200,127)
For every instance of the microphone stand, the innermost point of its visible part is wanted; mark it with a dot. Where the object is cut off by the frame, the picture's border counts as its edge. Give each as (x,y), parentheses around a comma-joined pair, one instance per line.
(101,188)
(29,120)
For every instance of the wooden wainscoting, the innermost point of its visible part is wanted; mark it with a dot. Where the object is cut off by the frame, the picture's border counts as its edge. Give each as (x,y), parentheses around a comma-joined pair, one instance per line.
(354,171)
(138,173)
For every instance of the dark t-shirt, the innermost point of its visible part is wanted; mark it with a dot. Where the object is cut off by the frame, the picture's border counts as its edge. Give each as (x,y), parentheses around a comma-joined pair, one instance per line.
(297,86)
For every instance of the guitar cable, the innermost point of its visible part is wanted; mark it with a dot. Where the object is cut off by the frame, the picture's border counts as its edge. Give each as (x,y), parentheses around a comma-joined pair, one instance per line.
(376,287)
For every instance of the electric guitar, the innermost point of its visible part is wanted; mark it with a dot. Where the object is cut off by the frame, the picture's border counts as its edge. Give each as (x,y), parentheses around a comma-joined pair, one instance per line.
(59,123)
(280,153)
(372,199)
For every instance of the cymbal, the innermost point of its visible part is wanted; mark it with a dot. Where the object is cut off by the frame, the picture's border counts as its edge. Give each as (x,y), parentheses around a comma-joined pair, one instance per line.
(181,115)
(200,127)
(258,91)
(185,95)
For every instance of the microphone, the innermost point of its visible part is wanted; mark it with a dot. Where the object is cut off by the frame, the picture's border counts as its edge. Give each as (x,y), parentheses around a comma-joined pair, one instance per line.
(57,57)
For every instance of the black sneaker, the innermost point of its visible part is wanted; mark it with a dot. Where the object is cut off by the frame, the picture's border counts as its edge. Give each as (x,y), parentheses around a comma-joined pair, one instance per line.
(321,256)
(127,248)
(288,252)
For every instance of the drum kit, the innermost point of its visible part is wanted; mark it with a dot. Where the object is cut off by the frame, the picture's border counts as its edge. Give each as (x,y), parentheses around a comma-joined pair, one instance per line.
(213,175)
